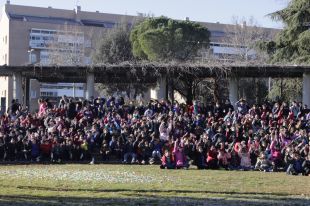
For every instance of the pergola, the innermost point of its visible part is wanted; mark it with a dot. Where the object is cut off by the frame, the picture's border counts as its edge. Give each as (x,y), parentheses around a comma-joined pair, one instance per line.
(151,73)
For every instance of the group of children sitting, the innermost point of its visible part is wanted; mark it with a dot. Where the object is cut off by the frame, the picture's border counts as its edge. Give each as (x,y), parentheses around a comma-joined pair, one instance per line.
(241,157)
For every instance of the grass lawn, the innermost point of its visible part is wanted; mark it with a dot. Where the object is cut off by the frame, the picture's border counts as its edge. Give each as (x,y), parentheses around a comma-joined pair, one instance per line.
(78,184)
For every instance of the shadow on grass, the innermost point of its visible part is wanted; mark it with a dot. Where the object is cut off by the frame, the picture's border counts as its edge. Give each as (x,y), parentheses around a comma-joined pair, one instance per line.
(139,200)
(147,191)
(166,197)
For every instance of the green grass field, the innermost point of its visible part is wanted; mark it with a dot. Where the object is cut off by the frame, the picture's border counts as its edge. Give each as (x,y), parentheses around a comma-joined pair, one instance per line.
(146,185)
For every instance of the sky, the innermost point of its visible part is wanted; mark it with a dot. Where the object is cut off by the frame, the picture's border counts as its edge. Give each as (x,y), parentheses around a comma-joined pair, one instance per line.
(222,11)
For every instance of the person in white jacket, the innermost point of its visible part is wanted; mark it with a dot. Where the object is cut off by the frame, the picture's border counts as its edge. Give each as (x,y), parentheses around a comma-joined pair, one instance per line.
(164,130)
(244,154)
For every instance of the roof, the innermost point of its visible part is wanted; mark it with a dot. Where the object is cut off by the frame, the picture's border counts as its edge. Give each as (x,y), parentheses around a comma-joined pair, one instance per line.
(62,16)
(141,73)
(42,19)
(58,20)
(105,24)
(96,19)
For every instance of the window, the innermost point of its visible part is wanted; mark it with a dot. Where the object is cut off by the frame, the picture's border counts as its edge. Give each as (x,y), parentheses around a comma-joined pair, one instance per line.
(32,58)
(33,94)
(48,94)
(35,31)
(217,33)
(87,43)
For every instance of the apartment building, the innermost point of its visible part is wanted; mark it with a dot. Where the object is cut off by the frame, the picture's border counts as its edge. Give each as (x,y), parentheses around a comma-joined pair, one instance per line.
(29,35)
(35,35)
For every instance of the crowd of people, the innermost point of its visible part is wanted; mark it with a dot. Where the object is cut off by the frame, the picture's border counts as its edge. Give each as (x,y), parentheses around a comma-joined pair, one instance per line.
(268,137)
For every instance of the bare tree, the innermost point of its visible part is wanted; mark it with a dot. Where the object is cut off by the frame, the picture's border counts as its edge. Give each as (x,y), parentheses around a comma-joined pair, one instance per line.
(237,47)
(66,47)
(114,47)
(241,40)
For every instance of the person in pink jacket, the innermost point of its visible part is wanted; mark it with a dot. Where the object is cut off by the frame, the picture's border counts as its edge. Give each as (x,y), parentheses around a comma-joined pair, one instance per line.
(179,156)
(42,107)
(276,156)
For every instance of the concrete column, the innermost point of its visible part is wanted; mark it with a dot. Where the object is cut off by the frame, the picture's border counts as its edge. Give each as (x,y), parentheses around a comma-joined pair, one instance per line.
(18,87)
(306,89)
(73,91)
(90,85)
(34,95)
(160,91)
(233,90)
(27,92)
(84,91)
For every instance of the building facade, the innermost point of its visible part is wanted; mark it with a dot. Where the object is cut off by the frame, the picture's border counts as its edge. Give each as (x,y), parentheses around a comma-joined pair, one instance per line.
(34,35)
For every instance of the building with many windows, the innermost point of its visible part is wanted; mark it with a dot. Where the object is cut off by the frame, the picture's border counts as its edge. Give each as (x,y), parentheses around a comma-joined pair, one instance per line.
(34,35)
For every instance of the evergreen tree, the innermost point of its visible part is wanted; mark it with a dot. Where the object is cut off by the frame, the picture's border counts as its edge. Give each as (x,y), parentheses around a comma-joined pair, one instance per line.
(164,39)
(292,45)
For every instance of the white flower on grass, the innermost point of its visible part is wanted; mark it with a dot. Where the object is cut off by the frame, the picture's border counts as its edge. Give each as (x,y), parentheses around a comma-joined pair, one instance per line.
(63,174)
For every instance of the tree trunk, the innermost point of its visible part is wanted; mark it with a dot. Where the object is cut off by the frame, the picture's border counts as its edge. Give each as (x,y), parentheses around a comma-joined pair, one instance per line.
(281,89)
(171,91)
(216,90)
(189,94)
(256,91)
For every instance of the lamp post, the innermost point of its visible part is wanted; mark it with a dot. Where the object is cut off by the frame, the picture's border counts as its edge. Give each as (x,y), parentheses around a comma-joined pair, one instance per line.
(28,84)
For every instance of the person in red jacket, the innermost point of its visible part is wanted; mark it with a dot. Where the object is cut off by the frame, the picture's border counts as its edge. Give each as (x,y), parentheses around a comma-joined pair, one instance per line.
(167,161)
(212,160)
(45,148)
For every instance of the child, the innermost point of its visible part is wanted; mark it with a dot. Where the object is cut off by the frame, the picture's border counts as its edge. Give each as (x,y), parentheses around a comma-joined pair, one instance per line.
(223,158)
(276,157)
(200,159)
(244,154)
(263,164)
(129,151)
(306,165)
(212,160)
(295,166)
(167,161)
(234,162)
(145,151)
(105,150)
(155,148)
(179,156)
